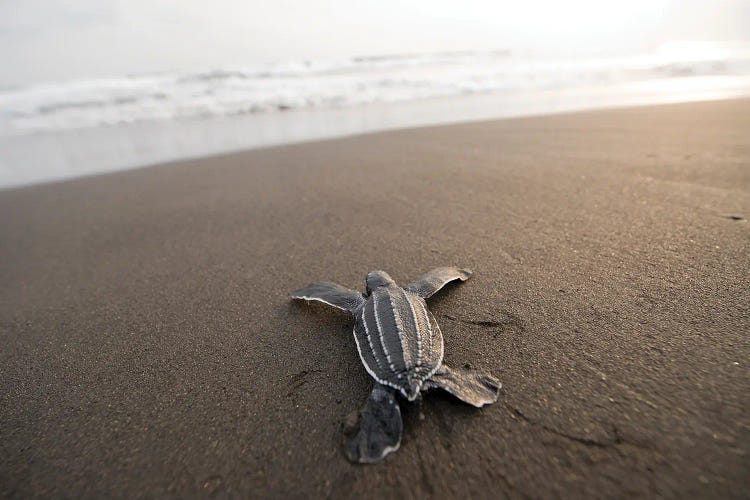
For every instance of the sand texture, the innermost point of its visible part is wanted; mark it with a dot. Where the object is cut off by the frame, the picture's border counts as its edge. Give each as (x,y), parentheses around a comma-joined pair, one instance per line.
(149,348)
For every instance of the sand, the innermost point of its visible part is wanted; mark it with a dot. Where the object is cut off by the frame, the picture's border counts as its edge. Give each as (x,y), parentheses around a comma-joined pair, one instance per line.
(149,348)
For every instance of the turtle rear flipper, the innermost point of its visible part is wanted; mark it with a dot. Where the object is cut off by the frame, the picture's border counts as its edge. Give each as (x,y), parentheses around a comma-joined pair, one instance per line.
(380,428)
(476,389)
(331,294)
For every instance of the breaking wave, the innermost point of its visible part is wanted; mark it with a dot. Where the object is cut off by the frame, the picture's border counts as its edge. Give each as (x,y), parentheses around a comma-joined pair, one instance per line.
(349,82)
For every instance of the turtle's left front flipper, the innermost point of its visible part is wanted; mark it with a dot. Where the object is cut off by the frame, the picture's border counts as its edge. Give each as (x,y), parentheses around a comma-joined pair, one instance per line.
(380,428)
(331,294)
(477,389)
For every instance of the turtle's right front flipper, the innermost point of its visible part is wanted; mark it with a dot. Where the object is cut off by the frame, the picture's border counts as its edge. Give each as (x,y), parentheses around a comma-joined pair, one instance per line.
(331,294)
(477,389)
(380,428)
(428,284)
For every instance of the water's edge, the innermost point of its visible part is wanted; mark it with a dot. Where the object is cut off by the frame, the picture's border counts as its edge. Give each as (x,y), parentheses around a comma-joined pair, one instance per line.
(56,155)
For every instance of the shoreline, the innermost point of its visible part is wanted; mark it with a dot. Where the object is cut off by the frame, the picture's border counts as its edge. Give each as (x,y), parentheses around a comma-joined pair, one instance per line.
(59,155)
(151,348)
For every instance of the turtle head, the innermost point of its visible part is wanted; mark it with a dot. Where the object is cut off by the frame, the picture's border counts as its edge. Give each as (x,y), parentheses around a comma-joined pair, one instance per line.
(377,279)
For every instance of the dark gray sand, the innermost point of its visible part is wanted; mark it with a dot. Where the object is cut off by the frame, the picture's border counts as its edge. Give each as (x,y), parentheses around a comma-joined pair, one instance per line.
(149,348)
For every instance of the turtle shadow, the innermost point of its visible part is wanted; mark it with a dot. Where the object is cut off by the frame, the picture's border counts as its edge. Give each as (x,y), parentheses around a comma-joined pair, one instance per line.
(416,412)
(435,409)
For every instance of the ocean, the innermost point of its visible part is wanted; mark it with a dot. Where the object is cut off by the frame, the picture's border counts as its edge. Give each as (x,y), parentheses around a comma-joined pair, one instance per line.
(52,131)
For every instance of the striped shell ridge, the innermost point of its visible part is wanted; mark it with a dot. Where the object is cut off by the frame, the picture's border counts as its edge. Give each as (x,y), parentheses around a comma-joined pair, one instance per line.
(398,339)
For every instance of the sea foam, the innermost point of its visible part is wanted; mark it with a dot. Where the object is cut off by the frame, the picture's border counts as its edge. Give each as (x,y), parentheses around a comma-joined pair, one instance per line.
(343,83)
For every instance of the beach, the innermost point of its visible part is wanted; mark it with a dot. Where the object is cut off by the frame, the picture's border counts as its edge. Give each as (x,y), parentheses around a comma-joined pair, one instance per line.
(150,348)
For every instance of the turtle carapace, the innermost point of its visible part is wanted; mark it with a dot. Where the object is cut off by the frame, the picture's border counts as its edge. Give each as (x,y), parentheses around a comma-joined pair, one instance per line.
(401,347)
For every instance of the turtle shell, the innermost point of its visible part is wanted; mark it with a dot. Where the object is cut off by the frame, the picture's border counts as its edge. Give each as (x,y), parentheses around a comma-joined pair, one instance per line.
(398,339)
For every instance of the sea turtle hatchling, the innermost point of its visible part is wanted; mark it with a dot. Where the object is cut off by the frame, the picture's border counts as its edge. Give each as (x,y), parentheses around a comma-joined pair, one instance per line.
(401,347)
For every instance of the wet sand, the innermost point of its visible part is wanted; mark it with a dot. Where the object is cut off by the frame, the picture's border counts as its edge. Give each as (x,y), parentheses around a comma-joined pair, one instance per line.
(149,348)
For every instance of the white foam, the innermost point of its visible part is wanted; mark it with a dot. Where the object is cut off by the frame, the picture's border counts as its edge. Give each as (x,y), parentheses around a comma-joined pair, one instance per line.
(335,84)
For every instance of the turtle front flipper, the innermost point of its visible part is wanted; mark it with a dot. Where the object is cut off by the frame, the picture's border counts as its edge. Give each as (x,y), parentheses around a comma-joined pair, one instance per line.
(428,284)
(331,294)
(380,428)
(476,389)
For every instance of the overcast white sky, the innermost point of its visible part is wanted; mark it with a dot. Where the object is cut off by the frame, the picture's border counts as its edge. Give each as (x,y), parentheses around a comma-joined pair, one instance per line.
(61,39)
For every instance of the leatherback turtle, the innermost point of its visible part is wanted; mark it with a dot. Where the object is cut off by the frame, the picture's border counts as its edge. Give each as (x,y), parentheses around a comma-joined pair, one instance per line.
(401,347)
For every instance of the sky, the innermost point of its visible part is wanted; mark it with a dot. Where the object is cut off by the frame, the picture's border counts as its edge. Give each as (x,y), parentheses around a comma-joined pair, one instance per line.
(43,40)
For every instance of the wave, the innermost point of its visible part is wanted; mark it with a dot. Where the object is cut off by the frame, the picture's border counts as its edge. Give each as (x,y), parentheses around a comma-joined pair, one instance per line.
(337,83)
